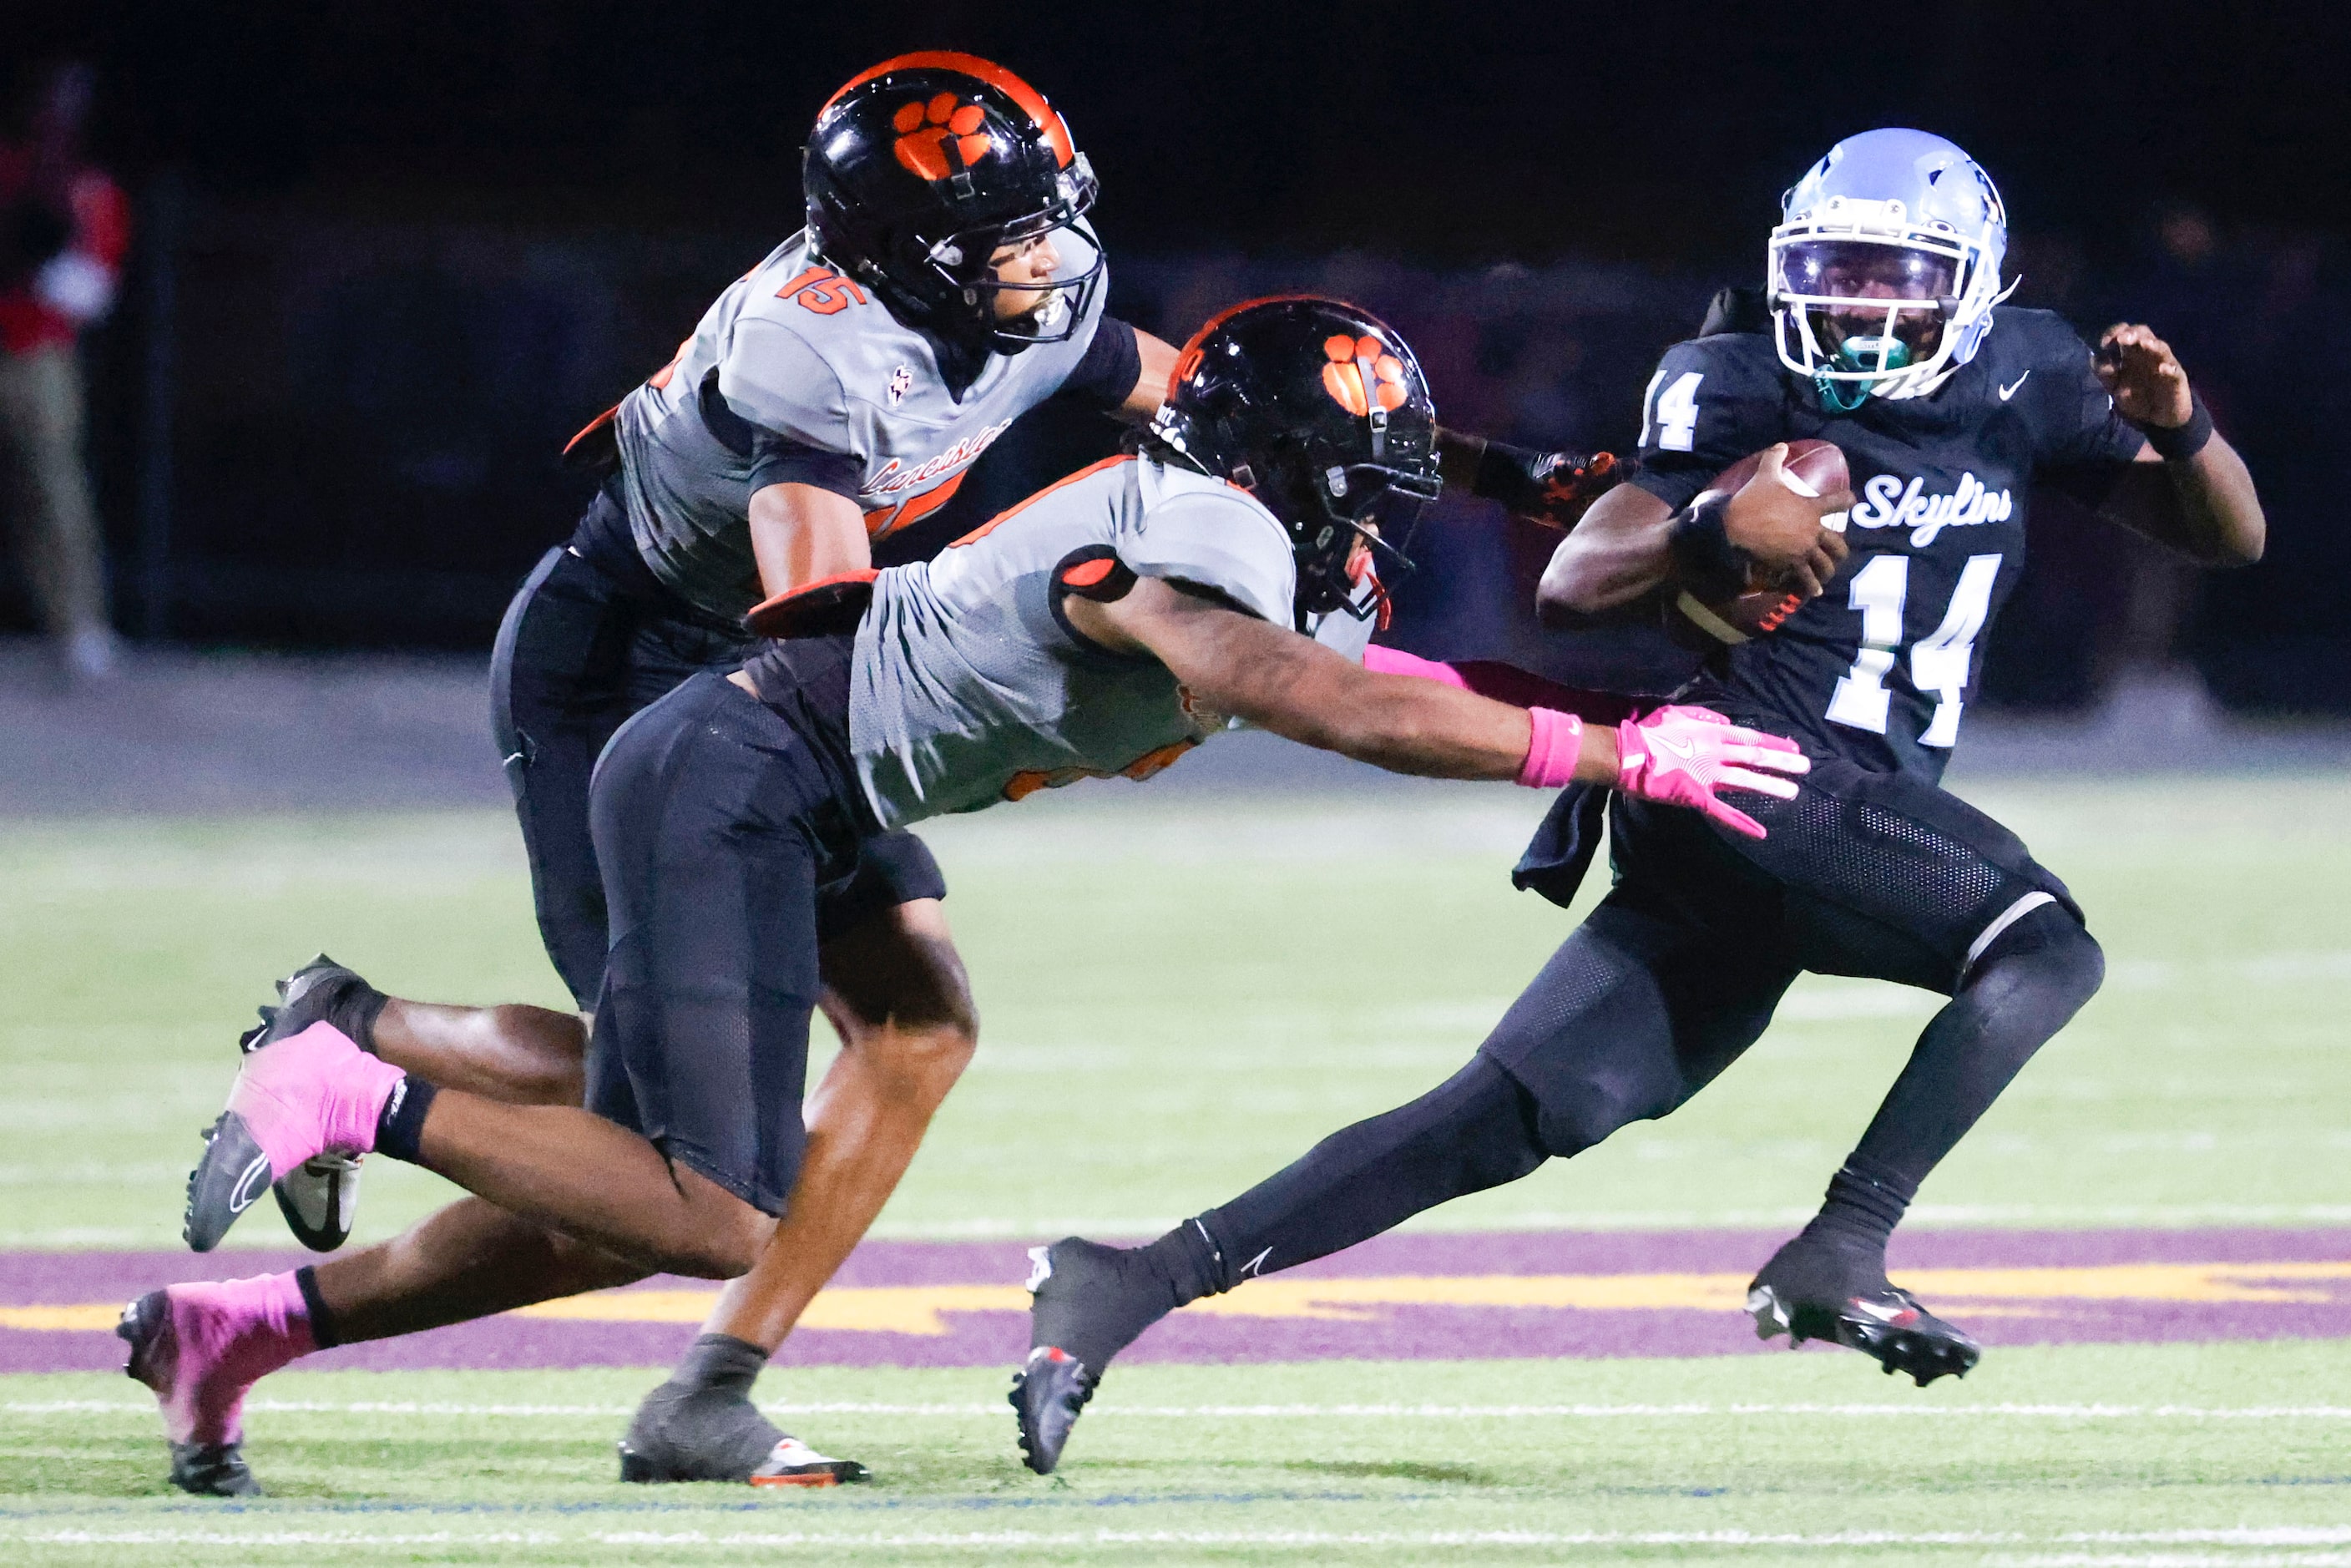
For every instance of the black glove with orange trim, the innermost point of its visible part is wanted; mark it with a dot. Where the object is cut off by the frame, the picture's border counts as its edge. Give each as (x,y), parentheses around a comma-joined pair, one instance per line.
(828,607)
(1553,488)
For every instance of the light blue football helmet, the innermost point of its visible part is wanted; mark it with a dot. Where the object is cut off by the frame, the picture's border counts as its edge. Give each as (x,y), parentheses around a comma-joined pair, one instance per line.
(1885,266)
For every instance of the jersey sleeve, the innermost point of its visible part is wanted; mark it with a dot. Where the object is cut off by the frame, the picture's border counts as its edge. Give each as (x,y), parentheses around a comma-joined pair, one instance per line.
(1222,541)
(1112,365)
(1709,405)
(2078,423)
(776,401)
(771,379)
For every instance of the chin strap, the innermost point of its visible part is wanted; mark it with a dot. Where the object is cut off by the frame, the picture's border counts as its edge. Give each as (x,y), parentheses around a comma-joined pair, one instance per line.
(1834,393)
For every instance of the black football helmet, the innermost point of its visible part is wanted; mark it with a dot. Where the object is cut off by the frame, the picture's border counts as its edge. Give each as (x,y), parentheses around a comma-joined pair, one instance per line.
(1320,410)
(916,173)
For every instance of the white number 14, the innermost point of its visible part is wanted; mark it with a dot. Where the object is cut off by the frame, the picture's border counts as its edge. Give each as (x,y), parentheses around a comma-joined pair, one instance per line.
(1939,662)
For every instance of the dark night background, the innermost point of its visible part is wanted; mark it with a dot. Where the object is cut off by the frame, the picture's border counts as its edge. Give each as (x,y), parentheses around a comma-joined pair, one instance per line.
(391,254)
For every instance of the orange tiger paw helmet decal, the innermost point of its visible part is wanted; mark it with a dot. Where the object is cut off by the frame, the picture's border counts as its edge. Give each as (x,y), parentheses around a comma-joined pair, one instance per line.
(1363,374)
(925,128)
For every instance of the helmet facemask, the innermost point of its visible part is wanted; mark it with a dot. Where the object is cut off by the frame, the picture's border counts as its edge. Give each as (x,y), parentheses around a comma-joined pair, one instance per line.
(966,268)
(1869,301)
(1343,517)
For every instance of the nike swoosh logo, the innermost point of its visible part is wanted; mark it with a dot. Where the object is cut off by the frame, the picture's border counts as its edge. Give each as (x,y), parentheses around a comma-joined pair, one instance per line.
(2009,390)
(250,1186)
(1683,748)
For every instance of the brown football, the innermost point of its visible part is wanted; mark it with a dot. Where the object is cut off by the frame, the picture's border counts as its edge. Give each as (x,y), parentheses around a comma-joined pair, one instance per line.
(1810,468)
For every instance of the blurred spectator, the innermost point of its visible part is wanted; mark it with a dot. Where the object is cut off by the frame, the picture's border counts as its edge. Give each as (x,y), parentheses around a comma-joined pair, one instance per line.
(63,230)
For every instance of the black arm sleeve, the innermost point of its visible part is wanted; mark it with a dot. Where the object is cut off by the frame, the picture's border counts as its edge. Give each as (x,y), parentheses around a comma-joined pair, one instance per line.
(778,461)
(1110,366)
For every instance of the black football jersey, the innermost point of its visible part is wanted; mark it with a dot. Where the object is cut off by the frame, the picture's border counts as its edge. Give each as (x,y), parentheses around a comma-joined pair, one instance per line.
(1881,667)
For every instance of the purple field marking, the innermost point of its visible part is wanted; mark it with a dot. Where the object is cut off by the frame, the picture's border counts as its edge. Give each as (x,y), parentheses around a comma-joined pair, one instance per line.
(994,1338)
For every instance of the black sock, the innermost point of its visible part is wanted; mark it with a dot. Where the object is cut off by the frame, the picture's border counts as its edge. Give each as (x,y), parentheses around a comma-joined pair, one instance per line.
(324,1333)
(722,1363)
(2022,991)
(1474,1131)
(1187,1260)
(402,1123)
(1865,1203)
(355,1011)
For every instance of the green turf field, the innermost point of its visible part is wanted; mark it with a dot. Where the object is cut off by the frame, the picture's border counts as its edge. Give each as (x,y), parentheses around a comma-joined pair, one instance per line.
(1824,1460)
(1213,983)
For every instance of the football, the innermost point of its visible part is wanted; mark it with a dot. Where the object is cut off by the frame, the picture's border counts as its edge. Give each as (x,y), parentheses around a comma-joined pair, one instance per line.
(1812,468)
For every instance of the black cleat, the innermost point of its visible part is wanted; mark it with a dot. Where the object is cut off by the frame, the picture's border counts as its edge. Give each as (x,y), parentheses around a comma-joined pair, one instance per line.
(231,1174)
(321,1197)
(1086,1303)
(683,1433)
(1815,1290)
(213,1469)
(1046,1395)
(203,1469)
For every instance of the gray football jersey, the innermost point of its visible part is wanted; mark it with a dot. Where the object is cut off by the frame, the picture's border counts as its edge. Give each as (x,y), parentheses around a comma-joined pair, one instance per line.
(969,686)
(794,354)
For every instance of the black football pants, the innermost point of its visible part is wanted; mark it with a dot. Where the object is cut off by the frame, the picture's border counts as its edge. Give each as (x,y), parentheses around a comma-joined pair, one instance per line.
(576,657)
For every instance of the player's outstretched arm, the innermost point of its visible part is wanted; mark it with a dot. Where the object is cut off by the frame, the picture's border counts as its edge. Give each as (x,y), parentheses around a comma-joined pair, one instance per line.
(1630,544)
(2203,504)
(1235,664)
(1292,685)
(1552,488)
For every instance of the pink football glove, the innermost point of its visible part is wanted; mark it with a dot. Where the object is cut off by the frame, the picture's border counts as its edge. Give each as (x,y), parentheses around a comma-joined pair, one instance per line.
(1680,755)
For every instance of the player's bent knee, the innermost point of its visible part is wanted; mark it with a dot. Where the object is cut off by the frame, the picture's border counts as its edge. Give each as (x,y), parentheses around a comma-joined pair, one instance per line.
(2050,950)
(719,1237)
(1569,1123)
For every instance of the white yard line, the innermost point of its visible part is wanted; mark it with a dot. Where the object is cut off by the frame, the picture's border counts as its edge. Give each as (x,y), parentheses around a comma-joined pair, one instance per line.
(992,1409)
(1006,1540)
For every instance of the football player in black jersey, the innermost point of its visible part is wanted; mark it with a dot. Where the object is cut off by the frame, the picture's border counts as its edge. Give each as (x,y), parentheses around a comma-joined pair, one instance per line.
(1881,330)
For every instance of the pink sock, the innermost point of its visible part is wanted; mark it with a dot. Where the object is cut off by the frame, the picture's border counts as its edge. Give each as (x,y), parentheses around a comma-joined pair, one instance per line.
(315,1087)
(224,1338)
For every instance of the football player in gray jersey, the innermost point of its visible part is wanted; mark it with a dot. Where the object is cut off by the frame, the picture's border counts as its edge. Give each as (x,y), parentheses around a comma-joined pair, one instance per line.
(1102,627)
(832,396)
(838,392)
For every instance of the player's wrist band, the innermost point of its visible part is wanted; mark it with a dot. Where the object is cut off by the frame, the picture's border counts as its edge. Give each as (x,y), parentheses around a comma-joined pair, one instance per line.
(2179,443)
(1705,560)
(1554,742)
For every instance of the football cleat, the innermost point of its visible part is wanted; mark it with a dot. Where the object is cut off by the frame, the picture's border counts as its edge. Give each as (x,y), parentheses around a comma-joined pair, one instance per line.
(214,1468)
(320,1198)
(294,1099)
(790,1463)
(1812,1289)
(688,1433)
(1086,1301)
(1047,1393)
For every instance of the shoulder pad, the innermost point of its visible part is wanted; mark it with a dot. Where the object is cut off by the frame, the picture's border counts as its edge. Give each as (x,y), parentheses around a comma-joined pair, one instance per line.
(1736,309)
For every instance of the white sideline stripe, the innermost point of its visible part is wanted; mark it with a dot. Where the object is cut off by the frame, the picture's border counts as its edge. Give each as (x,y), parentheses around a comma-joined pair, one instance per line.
(998,1540)
(1287,1412)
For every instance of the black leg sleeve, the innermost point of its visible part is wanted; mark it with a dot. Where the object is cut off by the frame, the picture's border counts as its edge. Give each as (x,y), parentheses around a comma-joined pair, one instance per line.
(1474,1131)
(2022,991)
